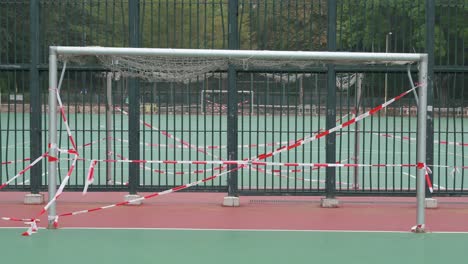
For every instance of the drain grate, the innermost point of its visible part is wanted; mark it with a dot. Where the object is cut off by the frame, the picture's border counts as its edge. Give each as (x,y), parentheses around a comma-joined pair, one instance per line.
(260,201)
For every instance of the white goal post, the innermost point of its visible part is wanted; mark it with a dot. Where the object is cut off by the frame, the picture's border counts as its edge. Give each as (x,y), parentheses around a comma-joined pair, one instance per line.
(185,65)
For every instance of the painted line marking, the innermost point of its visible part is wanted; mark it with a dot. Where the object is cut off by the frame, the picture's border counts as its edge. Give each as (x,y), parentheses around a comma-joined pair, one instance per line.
(248,230)
(414,177)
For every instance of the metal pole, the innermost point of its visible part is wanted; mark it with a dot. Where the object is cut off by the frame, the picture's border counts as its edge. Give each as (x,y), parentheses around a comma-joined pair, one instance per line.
(357,138)
(421,144)
(52,178)
(109,127)
(35,91)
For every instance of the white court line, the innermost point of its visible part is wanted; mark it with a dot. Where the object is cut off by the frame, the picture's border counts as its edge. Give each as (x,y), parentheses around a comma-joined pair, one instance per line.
(458,155)
(435,185)
(23,182)
(246,230)
(16,144)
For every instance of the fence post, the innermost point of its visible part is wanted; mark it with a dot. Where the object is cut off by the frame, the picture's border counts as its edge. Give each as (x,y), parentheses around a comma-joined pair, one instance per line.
(35,108)
(134,104)
(232,129)
(430,45)
(330,184)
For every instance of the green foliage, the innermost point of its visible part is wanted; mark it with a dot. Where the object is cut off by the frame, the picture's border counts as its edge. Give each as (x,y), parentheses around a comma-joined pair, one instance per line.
(284,25)
(3,85)
(363,25)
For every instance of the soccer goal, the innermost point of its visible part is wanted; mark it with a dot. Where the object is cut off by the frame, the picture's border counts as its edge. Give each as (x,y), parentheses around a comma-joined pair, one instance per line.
(215,101)
(190,65)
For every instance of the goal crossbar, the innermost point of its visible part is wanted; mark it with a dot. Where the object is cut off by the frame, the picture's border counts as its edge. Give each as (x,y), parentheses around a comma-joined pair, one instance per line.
(325,56)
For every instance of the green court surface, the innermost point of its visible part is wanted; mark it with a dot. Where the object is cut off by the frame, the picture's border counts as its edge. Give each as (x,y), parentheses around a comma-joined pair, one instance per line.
(119,246)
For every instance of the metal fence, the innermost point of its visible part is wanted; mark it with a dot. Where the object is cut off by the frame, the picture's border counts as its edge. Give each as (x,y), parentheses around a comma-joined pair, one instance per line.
(273,107)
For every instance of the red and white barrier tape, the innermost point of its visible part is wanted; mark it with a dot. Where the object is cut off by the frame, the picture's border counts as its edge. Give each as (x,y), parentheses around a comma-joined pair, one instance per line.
(94,142)
(17,219)
(90,178)
(308,139)
(61,187)
(64,117)
(168,135)
(222,146)
(240,164)
(24,170)
(58,149)
(32,227)
(279,150)
(15,161)
(252,163)
(33,224)
(221,168)
(427,170)
(175,189)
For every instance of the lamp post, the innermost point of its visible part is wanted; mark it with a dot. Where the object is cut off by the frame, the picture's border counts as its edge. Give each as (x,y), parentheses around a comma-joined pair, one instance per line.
(387,40)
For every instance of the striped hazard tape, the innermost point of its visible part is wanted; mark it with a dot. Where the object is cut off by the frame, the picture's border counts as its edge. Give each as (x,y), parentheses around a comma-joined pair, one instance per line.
(175,189)
(18,219)
(14,161)
(90,178)
(65,121)
(252,163)
(60,189)
(423,166)
(21,173)
(274,172)
(170,136)
(242,164)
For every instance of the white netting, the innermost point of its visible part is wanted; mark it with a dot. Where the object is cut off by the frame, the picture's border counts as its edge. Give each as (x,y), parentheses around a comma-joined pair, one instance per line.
(346,80)
(177,68)
(183,69)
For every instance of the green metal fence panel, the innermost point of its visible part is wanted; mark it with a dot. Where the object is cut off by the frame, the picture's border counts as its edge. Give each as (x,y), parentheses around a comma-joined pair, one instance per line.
(14,127)
(189,121)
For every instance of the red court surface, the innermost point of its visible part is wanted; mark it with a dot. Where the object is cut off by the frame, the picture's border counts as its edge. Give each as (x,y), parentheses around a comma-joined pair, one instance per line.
(204,211)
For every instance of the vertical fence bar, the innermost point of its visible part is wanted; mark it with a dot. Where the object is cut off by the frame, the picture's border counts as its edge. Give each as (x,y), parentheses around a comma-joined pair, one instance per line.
(35,97)
(134,101)
(357,136)
(109,127)
(421,144)
(430,48)
(232,129)
(52,133)
(330,185)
